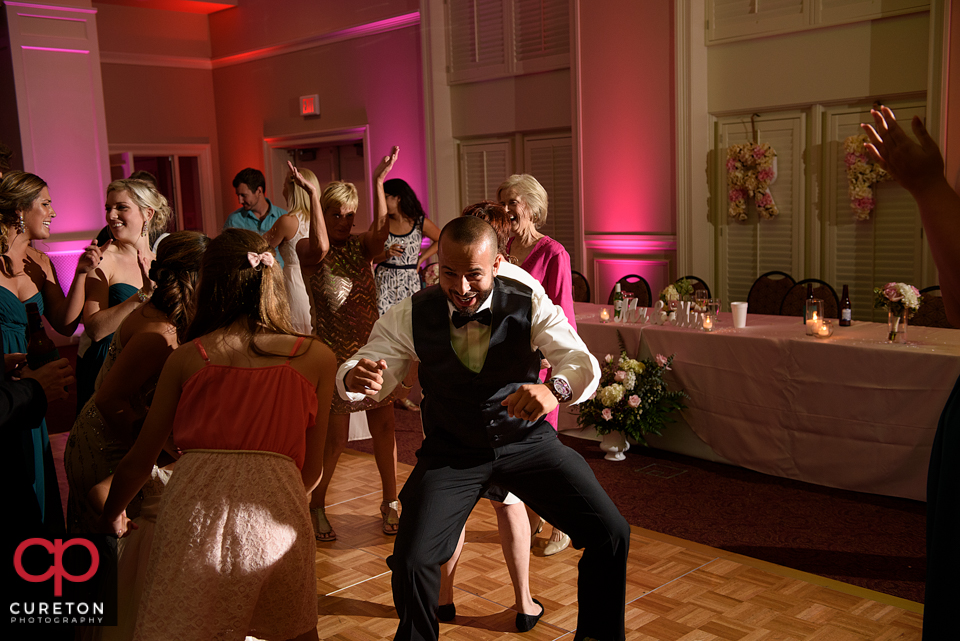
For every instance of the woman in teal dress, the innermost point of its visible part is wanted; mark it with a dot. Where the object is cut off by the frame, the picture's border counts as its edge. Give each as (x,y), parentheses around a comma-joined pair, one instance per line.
(27,276)
(135,210)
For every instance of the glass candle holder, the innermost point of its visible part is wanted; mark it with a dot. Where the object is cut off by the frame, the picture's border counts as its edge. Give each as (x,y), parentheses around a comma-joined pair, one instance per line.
(824,329)
(708,320)
(812,315)
(604,315)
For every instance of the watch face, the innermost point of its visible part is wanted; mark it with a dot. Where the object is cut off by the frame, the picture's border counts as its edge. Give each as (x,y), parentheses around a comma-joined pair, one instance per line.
(561,388)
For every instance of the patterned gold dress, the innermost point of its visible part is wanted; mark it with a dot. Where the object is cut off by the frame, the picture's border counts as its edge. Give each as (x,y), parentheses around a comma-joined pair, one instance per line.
(93,452)
(343,299)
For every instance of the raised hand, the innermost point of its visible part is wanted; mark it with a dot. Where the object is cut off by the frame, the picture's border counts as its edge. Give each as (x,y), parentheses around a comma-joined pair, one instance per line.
(915,166)
(302,182)
(386,164)
(144,261)
(91,257)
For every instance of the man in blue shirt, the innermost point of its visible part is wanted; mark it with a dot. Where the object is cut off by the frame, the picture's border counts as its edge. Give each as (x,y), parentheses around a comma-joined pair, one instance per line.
(256,212)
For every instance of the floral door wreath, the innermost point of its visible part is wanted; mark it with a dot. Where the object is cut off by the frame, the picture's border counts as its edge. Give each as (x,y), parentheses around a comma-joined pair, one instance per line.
(751,169)
(862,175)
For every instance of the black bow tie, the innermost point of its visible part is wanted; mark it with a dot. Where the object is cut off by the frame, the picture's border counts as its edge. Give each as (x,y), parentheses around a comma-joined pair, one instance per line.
(484,317)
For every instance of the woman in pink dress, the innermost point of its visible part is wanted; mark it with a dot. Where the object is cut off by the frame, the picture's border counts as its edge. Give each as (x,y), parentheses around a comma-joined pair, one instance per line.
(247,403)
(547,261)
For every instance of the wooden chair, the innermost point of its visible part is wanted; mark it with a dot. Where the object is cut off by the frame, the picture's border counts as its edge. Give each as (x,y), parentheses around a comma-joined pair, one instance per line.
(698,284)
(932,312)
(793,302)
(581,288)
(638,286)
(767,292)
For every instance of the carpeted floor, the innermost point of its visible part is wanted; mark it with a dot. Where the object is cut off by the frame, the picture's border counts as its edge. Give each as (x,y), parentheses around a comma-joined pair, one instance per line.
(872,541)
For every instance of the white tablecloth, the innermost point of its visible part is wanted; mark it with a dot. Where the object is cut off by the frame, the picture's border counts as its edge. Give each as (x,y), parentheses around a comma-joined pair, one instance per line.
(851,411)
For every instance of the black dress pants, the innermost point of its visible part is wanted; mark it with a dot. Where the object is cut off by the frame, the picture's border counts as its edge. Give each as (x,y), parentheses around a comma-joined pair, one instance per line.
(553,480)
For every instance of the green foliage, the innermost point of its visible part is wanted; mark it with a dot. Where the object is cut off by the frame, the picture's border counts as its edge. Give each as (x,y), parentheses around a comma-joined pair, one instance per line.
(632,397)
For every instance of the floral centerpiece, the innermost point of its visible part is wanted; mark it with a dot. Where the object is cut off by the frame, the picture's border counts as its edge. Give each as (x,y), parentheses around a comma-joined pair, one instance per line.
(862,175)
(751,169)
(676,291)
(632,397)
(902,302)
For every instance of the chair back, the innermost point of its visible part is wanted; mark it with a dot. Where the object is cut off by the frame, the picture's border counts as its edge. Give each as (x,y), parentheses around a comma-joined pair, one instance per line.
(638,286)
(932,313)
(581,288)
(793,302)
(767,292)
(698,284)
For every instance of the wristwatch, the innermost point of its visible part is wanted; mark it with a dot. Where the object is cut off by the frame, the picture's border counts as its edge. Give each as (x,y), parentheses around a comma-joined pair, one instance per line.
(560,388)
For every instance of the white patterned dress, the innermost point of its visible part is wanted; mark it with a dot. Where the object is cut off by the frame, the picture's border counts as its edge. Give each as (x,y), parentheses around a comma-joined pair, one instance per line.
(397,277)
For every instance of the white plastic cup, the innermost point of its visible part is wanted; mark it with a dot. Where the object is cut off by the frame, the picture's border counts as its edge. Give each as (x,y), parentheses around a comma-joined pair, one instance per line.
(739,310)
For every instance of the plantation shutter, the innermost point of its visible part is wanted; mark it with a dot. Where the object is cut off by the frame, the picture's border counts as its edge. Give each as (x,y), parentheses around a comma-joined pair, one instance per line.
(753,247)
(832,11)
(888,246)
(541,35)
(475,39)
(483,167)
(737,18)
(550,161)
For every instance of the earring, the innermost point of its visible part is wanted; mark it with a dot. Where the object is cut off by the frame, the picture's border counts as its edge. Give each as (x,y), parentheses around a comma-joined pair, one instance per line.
(21,226)
(143,230)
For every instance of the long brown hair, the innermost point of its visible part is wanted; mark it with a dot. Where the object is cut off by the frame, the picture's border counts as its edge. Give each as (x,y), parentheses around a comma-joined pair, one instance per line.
(232,289)
(18,191)
(176,271)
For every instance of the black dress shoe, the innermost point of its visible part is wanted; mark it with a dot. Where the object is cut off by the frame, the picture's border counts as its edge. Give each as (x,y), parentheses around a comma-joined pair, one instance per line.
(448,612)
(526,622)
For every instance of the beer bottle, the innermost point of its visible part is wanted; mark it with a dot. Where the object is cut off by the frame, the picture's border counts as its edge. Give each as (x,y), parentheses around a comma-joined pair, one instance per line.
(846,312)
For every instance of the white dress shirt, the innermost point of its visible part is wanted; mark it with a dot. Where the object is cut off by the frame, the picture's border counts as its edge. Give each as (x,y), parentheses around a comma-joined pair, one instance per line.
(392,341)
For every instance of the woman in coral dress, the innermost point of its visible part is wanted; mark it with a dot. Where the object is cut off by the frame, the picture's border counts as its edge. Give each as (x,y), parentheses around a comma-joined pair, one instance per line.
(246,402)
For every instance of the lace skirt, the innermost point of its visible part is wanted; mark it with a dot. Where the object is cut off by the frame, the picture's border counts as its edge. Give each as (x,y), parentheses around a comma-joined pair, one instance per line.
(233,552)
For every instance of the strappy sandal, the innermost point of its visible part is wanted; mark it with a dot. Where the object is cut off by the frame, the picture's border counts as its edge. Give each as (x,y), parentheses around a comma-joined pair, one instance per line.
(535,532)
(322,530)
(390,515)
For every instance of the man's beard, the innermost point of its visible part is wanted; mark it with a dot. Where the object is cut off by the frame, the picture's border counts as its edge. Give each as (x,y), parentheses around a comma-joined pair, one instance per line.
(478,301)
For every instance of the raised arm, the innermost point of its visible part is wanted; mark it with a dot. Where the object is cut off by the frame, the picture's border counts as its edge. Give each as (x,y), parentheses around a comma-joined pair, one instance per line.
(315,246)
(919,169)
(99,319)
(374,238)
(63,312)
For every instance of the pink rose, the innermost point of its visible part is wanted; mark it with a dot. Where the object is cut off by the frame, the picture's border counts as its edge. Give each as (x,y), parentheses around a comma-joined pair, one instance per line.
(759,152)
(731,164)
(764,200)
(608,358)
(851,159)
(634,401)
(620,376)
(766,175)
(607,414)
(735,195)
(891,293)
(661,360)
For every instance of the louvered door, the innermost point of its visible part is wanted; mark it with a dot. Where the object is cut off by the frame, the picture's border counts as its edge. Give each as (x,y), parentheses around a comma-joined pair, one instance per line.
(541,35)
(476,47)
(550,161)
(888,246)
(753,247)
(483,167)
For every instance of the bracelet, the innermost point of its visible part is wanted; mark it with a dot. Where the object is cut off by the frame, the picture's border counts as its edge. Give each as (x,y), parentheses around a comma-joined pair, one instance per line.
(142,296)
(405,386)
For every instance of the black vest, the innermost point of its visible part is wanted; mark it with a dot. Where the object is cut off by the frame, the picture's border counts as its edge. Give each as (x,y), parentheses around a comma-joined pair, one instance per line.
(465,405)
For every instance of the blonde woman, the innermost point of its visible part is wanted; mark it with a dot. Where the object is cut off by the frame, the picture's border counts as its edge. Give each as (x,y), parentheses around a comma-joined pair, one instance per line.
(300,190)
(134,209)
(546,260)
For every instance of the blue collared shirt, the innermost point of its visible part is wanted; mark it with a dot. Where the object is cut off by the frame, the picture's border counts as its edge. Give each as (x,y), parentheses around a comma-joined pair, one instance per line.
(246,219)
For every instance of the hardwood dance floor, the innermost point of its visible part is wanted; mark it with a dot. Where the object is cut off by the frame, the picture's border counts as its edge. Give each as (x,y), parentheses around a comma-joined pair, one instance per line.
(676,590)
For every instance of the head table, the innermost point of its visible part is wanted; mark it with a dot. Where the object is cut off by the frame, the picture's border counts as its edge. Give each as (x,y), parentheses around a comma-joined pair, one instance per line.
(851,411)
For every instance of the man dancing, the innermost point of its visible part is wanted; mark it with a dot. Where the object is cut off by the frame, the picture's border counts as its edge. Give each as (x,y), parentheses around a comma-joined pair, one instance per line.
(479,340)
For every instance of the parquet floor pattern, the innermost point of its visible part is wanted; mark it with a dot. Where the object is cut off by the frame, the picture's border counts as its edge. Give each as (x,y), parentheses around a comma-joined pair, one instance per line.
(676,590)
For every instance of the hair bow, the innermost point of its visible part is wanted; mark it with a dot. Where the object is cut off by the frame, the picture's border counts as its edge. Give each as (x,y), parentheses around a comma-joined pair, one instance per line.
(255,259)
